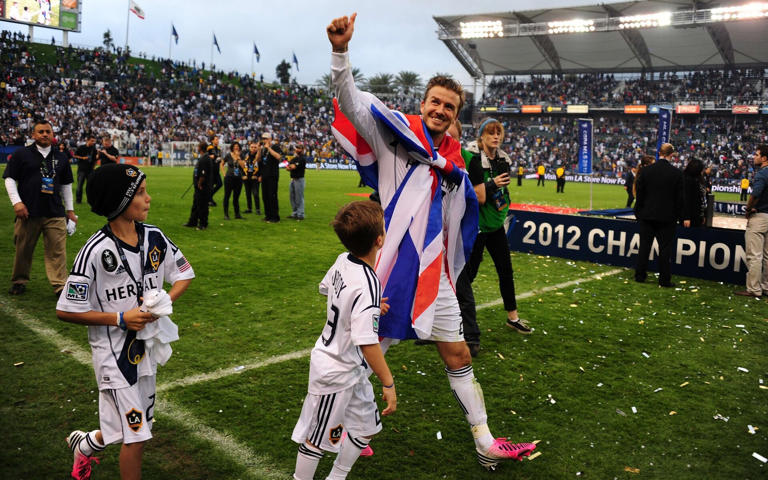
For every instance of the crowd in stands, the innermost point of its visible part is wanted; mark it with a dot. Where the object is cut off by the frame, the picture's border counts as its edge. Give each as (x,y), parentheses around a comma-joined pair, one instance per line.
(722,87)
(142,104)
(723,142)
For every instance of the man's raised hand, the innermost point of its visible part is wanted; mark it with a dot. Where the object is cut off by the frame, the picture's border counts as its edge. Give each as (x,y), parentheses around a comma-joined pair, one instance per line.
(340,32)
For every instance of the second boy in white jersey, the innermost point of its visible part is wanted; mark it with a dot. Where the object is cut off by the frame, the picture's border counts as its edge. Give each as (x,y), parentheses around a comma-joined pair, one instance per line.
(340,395)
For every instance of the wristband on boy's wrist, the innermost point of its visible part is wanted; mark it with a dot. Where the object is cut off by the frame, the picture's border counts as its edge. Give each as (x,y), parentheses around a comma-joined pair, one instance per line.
(121,321)
(389,386)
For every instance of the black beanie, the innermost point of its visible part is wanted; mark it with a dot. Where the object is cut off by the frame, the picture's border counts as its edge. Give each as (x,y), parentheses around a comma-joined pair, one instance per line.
(111,188)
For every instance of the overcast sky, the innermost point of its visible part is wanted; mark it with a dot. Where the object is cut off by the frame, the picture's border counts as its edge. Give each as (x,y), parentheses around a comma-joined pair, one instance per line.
(390,36)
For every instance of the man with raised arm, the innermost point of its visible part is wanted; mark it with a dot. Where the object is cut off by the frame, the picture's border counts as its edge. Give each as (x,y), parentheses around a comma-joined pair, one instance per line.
(431,220)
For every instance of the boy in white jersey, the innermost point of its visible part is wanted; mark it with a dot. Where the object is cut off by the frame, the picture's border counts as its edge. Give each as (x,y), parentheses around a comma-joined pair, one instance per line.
(105,290)
(340,395)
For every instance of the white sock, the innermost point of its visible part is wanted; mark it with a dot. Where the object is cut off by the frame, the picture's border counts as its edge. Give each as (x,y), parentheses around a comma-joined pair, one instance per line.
(469,394)
(306,462)
(87,444)
(349,452)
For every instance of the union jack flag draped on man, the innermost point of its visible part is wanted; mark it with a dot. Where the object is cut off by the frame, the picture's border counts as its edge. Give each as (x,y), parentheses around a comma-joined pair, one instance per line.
(427,230)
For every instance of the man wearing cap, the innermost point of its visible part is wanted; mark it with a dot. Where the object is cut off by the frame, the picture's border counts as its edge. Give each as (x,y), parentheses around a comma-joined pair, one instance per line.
(269,159)
(38,179)
(658,206)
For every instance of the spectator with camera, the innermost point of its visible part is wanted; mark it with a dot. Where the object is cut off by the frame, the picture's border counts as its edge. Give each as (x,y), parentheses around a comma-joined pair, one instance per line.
(488,171)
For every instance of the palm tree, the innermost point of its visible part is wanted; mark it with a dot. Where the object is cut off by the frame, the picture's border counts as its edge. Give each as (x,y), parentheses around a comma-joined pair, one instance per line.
(381,83)
(407,81)
(324,81)
(108,42)
(283,72)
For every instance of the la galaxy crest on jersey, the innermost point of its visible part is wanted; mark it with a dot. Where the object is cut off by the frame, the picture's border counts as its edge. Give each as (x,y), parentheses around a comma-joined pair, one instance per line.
(156,250)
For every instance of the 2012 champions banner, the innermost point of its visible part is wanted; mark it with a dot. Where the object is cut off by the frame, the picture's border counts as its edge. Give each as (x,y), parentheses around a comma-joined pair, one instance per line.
(710,253)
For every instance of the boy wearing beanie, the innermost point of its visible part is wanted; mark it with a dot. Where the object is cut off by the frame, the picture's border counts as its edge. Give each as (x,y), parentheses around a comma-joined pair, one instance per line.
(120,266)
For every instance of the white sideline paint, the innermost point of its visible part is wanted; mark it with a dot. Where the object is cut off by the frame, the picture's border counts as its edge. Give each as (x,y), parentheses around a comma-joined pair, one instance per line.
(258,466)
(523,296)
(225,372)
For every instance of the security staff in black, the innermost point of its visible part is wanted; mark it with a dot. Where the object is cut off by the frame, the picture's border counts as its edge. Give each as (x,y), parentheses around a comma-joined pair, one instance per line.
(270,156)
(203,184)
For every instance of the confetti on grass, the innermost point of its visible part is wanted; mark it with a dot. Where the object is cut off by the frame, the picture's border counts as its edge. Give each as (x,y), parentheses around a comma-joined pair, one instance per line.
(759,457)
(742,369)
(631,470)
(684,384)
(534,455)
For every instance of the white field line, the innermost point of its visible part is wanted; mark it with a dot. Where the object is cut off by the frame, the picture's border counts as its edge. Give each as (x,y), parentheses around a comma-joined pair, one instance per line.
(522,296)
(225,372)
(258,466)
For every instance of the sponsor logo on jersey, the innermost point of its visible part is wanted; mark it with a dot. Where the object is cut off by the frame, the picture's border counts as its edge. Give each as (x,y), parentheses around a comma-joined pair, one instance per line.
(135,419)
(77,292)
(109,260)
(131,172)
(334,434)
(154,258)
(375,323)
(120,269)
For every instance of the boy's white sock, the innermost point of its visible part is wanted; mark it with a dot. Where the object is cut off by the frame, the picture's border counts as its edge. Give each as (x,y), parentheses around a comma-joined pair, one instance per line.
(306,462)
(87,443)
(348,455)
(469,394)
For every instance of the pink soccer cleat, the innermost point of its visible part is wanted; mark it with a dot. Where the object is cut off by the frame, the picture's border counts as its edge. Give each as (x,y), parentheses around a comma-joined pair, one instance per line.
(504,450)
(367,451)
(81,468)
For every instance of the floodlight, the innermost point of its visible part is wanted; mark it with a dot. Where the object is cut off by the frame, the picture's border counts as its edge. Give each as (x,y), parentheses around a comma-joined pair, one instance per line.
(740,12)
(660,19)
(482,29)
(571,26)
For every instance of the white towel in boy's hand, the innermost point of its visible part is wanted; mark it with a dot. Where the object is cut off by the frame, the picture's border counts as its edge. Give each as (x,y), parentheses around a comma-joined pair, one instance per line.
(157,337)
(158,303)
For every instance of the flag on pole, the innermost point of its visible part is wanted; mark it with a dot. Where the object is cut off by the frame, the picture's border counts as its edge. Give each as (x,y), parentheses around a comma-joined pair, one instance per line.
(256,52)
(216,43)
(175,34)
(136,9)
(296,61)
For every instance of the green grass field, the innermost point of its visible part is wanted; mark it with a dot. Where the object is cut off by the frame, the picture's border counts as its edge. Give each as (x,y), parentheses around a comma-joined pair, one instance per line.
(600,348)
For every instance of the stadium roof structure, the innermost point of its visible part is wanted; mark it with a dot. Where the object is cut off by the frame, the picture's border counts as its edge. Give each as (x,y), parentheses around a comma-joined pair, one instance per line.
(611,37)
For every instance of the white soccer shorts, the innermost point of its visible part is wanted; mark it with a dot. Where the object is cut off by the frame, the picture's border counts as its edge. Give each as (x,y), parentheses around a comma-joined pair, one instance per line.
(125,414)
(447,325)
(324,418)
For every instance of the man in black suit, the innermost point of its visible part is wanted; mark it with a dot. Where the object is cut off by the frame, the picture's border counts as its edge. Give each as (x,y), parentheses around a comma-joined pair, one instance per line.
(658,205)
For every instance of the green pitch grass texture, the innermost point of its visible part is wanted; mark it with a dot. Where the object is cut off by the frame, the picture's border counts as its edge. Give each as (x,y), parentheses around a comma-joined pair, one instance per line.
(598,349)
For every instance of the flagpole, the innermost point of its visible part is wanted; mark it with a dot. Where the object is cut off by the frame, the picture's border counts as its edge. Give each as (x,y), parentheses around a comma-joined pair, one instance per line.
(209,65)
(127,24)
(170,41)
(252,55)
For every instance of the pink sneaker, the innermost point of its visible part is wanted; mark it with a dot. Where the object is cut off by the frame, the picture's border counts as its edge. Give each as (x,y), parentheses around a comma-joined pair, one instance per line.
(81,468)
(504,450)
(367,452)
